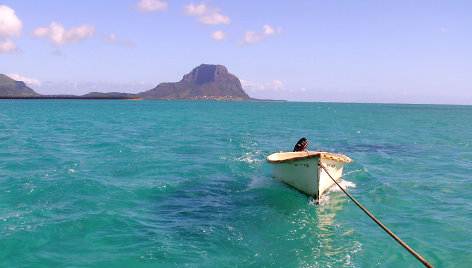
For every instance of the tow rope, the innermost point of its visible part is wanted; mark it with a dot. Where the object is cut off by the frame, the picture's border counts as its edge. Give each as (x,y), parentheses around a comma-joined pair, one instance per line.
(412,252)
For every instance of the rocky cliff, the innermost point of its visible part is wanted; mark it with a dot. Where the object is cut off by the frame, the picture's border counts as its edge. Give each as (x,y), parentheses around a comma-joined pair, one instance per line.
(205,82)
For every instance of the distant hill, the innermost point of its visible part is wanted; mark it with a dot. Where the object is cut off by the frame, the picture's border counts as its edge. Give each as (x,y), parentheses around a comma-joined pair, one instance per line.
(13,88)
(205,82)
(111,95)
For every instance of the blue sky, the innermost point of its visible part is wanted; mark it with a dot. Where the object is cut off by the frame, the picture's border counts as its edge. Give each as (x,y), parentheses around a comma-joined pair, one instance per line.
(342,51)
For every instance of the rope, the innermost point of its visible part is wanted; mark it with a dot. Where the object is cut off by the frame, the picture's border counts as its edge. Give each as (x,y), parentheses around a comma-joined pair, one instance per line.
(412,252)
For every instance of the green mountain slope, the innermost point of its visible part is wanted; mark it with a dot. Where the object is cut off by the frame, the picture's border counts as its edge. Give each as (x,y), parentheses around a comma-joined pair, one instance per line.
(13,88)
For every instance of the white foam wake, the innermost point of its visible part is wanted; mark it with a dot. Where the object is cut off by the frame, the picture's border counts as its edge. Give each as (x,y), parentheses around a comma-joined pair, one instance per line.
(345,184)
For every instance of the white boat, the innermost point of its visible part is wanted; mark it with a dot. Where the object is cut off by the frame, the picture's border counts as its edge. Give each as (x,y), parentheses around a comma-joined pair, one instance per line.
(302,170)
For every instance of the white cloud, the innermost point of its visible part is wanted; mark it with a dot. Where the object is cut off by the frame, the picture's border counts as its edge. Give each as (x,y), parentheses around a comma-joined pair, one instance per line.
(29,81)
(7,46)
(219,35)
(199,10)
(252,37)
(112,38)
(58,35)
(275,89)
(206,14)
(278,85)
(274,85)
(214,19)
(147,6)
(252,85)
(10,24)
(268,30)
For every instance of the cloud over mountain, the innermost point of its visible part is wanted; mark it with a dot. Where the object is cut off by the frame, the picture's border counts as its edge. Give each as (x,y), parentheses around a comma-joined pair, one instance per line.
(29,81)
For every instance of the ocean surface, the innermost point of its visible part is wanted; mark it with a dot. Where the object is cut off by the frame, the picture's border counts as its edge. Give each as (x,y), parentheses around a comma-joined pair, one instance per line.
(185,183)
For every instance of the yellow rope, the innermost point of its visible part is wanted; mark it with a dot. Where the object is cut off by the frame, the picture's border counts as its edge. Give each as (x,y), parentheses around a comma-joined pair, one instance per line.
(417,256)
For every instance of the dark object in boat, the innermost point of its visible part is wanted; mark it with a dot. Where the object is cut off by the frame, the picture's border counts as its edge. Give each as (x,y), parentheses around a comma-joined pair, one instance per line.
(301,145)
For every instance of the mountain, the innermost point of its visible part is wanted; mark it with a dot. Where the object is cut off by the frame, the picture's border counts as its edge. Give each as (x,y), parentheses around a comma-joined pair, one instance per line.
(205,82)
(13,88)
(110,95)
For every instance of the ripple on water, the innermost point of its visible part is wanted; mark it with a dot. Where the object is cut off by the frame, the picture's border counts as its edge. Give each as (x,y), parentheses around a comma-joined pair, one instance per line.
(164,183)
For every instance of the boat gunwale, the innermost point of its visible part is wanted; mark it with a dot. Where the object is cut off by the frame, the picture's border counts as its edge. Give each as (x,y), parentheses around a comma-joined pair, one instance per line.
(311,154)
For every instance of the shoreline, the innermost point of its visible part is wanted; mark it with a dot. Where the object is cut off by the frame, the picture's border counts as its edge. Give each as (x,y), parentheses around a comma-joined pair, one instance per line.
(120,98)
(67,98)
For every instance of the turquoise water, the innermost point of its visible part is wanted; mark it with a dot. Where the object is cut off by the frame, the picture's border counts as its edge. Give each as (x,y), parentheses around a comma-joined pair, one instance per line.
(174,183)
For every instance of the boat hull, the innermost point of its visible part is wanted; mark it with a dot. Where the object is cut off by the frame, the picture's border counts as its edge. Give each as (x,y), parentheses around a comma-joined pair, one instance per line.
(303,171)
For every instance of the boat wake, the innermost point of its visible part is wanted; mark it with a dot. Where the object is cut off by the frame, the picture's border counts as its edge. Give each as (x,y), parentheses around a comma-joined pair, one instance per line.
(249,158)
(345,184)
(334,188)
